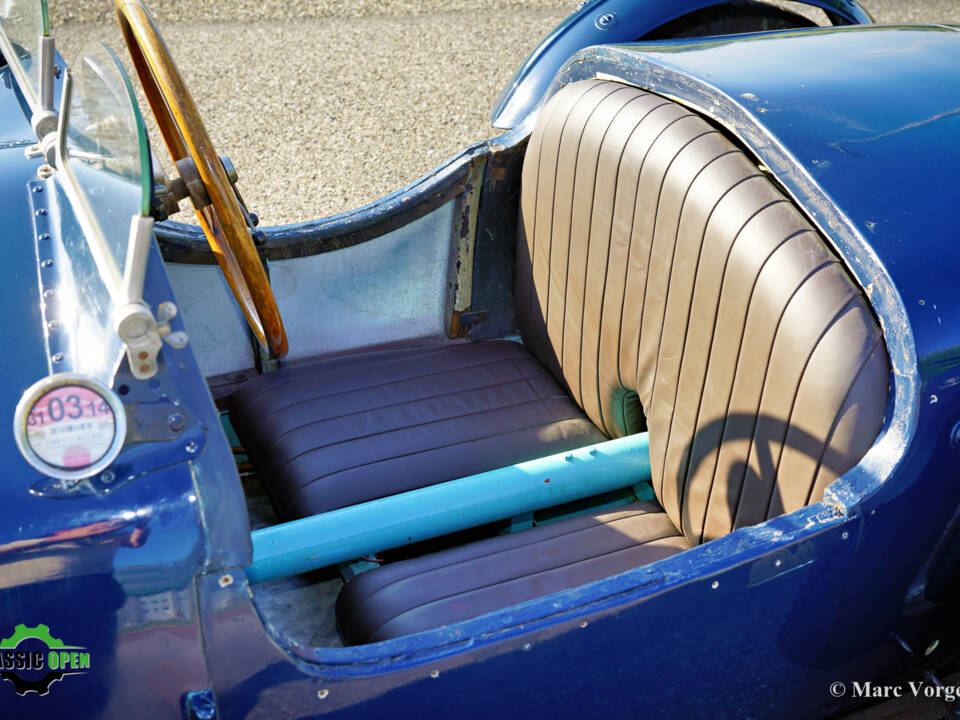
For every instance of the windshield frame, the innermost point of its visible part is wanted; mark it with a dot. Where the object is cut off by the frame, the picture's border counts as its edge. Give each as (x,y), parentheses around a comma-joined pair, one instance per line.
(16,66)
(110,270)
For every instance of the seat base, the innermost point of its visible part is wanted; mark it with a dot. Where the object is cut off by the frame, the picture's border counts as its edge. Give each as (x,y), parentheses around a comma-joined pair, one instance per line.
(469,581)
(343,431)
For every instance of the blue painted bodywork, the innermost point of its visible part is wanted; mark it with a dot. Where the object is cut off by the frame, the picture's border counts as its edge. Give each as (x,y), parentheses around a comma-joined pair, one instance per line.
(859,125)
(603,22)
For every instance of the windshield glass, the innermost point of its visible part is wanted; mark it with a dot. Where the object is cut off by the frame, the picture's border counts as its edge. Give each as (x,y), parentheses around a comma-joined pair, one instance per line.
(103,180)
(105,151)
(22,22)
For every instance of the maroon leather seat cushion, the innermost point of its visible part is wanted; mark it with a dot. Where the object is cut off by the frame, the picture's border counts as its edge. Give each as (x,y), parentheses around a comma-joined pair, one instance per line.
(662,276)
(467,581)
(339,432)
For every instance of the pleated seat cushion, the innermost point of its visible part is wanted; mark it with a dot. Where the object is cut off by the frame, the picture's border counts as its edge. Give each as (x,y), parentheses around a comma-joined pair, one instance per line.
(464,582)
(339,432)
(662,276)
(663,279)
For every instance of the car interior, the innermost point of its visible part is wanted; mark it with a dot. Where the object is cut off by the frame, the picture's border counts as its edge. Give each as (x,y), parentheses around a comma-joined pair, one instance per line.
(664,283)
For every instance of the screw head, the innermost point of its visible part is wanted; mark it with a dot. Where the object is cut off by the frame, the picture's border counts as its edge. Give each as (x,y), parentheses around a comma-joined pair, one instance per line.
(606,21)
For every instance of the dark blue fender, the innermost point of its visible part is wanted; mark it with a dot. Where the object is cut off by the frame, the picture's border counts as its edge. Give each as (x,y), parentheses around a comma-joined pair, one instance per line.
(598,22)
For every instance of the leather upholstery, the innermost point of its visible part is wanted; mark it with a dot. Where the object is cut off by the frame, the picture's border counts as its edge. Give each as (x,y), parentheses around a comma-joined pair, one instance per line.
(464,582)
(663,279)
(343,431)
(660,273)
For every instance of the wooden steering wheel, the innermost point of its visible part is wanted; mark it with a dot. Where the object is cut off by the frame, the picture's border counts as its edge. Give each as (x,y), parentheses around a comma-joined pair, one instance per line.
(186,138)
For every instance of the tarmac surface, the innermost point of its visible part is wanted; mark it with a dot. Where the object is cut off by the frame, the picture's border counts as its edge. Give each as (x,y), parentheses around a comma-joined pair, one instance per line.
(324,105)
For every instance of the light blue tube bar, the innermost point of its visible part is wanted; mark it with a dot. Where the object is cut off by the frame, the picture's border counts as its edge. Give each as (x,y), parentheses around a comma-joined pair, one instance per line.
(352,532)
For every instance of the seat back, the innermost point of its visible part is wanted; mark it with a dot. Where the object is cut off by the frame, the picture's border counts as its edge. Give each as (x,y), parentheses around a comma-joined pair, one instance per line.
(665,280)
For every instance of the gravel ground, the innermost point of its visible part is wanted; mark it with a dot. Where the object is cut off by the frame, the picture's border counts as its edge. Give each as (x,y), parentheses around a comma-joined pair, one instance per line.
(325,105)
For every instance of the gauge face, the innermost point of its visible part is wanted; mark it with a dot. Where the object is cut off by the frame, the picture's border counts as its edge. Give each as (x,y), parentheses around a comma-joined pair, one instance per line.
(69,426)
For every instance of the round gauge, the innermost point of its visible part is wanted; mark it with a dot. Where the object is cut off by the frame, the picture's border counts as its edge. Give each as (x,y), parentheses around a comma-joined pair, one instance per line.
(69,426)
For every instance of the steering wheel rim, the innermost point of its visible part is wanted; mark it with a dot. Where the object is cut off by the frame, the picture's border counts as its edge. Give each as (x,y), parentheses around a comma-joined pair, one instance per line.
(186,137)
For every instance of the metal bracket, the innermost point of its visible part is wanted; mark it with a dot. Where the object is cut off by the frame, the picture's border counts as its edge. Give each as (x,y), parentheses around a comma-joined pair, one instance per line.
(190,444)
(160,421)
(191,183)
(143,334)
(169,192)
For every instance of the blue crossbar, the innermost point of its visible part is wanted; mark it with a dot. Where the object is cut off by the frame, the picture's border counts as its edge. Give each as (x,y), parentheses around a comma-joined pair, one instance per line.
(348,533)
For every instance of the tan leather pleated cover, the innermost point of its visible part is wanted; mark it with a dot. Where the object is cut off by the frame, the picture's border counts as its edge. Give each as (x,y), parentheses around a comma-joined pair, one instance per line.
(663,278)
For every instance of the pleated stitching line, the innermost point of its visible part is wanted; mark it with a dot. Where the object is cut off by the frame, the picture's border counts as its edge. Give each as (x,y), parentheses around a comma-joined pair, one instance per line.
(536,197)
(524,379)
(622,515)
(422,425)
(848,307)
(636,200)
(646,287)
(736,367)
(653,235)
(268,385)
(633,514)
(763,391)
(686,333)
(878,341)
(676,243)
(649,241)
(441,447)
(573,194)
(713,333)
(531,575)
(586,266)
(603,294)
(553,218)
(413,378)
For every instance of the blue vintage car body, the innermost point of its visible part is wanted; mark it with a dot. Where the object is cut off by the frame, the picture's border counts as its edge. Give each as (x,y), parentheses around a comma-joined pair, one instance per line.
(604,22)
(859,126)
